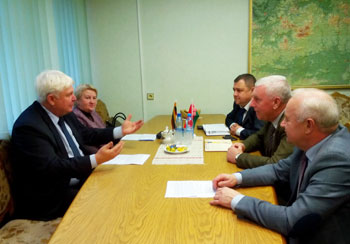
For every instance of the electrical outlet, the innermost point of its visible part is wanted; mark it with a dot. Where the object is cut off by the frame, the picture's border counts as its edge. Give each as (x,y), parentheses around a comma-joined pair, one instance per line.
(150,96)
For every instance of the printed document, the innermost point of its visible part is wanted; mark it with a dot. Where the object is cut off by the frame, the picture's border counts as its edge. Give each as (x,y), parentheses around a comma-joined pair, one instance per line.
(213,145)
(123,159)
(189,189)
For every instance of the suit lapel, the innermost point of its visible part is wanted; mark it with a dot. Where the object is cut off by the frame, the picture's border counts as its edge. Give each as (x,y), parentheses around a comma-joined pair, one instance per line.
(295,169)
(278,133)
(52,128)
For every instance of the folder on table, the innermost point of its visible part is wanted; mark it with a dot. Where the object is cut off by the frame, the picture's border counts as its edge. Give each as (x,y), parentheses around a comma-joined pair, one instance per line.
(216,129)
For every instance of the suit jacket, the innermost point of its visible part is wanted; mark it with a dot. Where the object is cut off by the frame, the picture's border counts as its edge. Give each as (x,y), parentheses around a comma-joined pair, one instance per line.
(321,211)
(42,169)
(251,123)
(258,141)
(97,123)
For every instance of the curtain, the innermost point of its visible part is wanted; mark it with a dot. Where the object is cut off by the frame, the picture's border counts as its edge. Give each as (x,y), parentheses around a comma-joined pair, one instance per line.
(36,35)
(72,39)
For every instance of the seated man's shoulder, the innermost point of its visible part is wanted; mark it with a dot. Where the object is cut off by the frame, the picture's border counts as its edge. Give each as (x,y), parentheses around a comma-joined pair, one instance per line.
(28,116)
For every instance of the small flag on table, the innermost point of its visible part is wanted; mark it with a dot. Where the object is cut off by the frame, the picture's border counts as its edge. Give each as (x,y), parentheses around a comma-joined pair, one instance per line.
(193,111)
(173,116)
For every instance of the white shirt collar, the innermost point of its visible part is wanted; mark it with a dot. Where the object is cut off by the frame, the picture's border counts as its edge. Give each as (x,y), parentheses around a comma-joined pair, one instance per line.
(247,106)
(53,117)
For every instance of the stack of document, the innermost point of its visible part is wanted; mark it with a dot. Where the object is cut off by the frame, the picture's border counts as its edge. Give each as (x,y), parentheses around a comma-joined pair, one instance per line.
(212,145)
(216,129)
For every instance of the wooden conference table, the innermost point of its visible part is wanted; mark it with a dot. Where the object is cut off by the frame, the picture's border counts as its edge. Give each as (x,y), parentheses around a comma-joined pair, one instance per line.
(126,204)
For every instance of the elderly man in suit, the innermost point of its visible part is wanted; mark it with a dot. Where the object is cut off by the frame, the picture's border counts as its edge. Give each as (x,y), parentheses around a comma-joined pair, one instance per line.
(242,120)
(270,98)
(48,150)
(318,173)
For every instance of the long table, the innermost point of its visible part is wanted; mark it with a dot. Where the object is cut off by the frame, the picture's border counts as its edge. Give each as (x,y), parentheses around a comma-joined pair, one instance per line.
(126,203)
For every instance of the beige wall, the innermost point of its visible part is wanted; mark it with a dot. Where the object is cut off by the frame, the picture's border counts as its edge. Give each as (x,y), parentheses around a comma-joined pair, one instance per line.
(179,50)
(184,50)
(113,36)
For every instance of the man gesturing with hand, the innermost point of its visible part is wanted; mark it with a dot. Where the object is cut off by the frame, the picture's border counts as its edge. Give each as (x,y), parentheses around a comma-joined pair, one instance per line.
(49,159)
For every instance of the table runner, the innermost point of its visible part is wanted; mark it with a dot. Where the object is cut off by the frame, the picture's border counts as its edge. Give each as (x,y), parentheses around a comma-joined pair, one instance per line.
(194,156)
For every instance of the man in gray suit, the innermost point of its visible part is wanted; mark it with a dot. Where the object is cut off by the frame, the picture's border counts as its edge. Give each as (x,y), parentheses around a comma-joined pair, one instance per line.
(318,173)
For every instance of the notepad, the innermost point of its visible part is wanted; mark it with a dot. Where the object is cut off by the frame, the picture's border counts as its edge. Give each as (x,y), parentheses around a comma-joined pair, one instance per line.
(216,129)
(220,145)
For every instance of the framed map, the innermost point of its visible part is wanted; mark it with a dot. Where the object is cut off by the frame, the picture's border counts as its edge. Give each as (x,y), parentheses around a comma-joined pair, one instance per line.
(308,41)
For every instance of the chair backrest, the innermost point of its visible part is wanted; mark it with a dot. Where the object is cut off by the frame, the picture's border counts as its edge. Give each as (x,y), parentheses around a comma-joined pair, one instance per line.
(102,110)
(6,202)
(343,103)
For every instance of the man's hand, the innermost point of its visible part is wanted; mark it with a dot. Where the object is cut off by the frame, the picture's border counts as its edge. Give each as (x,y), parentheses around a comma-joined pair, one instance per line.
(129,127)
(224,196)
(108,151)
(236,148)
(234,128)
(222,180)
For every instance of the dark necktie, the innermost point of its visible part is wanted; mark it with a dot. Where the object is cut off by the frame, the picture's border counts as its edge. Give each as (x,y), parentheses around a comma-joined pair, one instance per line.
(240,116)
(303,165)
(69,138)
(269,147)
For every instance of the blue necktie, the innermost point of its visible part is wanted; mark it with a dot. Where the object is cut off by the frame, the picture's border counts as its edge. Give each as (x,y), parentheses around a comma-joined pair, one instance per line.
(69,138)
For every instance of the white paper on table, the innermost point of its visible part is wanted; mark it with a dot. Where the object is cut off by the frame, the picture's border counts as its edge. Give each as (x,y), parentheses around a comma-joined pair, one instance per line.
(139,137)
(217,145)
(189,189)
(123,159)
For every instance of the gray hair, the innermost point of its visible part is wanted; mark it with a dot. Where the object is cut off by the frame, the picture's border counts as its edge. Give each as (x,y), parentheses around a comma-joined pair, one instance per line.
(318,105)
(51,81)
(276,85)
(83,87)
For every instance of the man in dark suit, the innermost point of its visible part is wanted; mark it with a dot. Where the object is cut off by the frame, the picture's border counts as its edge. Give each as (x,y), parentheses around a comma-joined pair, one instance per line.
(48,155)
(318,173)
(242,120)
(270,98)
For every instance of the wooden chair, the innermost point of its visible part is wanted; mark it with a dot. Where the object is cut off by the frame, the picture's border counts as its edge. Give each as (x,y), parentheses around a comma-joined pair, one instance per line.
(18,230)
(343,103)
